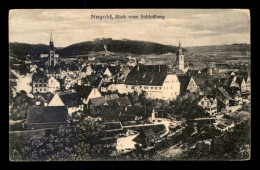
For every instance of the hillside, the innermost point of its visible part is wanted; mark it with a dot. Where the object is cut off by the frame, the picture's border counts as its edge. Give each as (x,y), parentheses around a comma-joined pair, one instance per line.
(23,49)
(118,46)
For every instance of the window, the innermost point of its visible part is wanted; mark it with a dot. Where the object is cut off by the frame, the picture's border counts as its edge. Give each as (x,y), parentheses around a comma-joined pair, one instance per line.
(151,88)
(40,89)
(160,88)
(40,85)
(140,86)
(132,87)
(44,85)
(202,103)
(36,85)
(171,87)
(126,86)
(44,89)
(155,88)
(36,90)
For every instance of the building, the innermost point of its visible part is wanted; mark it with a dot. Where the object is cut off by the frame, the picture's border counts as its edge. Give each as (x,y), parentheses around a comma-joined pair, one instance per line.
(51,59)
(39,83)
(69,99)
(222,97)
(154,80)
(53,85)
(180,59)
(209,104)
(42,117)
(88,92)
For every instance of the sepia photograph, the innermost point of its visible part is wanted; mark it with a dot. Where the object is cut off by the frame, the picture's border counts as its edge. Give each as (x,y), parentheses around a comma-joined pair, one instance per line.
(129,85)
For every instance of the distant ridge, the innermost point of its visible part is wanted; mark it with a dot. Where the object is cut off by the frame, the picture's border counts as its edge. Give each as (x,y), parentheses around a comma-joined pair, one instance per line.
(119,46)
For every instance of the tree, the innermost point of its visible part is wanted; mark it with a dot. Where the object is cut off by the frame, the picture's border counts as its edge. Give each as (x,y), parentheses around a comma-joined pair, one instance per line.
(19,109)
(187,107)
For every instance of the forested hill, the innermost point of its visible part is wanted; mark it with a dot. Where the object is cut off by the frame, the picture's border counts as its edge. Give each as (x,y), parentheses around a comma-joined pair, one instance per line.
(119,46)
(22,49)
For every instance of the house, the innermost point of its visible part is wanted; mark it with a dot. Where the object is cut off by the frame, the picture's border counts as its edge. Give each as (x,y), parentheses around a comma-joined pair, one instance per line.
(222,97)
(125,70)
(247,85)
(87,92)
(209,104)
(42,117)
(53,85)
(43,99)
(98,101)
(53,72)
(121,102)
(69,99)
(158,114)
(184,81)
(39,83)
(147,137)
(242,84)
(154,80)
(92,81)
(141,61)
(108,72)
(192,87)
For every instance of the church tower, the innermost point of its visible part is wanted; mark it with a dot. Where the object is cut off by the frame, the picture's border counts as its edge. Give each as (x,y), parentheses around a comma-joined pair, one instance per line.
(53,60)
(180,59)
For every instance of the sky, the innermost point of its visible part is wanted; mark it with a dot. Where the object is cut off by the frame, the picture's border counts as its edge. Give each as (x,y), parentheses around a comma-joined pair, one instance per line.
(191,27)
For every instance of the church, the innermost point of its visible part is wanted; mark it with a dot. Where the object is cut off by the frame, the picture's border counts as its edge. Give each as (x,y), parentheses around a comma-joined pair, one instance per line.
(50,60)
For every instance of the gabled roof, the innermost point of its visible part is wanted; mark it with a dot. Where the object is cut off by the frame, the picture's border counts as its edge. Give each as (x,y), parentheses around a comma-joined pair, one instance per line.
(199,80)
(184,81)
(224,92)
(84,91)
(47,114)
(99,101)
(149,135)
(114,69)
(239,81)
(226,82)
(45,97)
(122,101)
(147,75)
(70,99)
(39,77)
(93,81)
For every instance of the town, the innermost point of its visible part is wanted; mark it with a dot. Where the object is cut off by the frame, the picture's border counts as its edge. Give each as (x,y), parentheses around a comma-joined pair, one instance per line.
(111,107)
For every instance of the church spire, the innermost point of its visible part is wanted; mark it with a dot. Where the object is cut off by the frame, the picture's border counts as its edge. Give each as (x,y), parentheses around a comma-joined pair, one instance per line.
(51,37)
(51,42)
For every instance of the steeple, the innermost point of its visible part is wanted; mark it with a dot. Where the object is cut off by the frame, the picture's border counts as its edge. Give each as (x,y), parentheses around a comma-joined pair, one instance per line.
(180,49)
(51,42)
(180,58)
